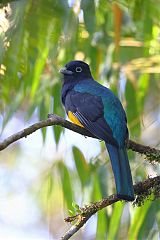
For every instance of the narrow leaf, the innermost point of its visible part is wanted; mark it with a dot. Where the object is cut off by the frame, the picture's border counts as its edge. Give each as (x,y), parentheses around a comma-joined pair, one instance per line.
(66,184)
(115,220)
(88,7)
(138,219)
(81,166)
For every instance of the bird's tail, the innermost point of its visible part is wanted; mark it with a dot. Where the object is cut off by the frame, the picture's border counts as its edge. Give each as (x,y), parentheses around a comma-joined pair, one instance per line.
(122,172)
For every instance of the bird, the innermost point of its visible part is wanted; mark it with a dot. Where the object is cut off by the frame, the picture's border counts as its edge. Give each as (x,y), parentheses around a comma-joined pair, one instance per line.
(95,108)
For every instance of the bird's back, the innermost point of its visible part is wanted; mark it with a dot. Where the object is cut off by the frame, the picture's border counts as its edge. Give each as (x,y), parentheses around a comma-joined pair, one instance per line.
(113,111)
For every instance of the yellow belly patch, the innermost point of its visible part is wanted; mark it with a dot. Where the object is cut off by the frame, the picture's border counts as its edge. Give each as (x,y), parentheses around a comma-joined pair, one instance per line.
(74,119)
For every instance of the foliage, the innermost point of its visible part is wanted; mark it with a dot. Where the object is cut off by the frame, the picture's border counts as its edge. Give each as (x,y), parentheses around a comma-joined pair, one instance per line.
(120,41)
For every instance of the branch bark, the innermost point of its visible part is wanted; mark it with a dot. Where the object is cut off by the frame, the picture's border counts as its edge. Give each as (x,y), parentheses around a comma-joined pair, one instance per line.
(151,154)
(142,191)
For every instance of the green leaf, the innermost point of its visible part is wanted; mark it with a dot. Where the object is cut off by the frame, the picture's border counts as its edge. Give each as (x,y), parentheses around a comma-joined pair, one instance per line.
(48,184)
(143,88)
(101,232)
(132,109)
(11,109)
(149,221)
(47,189)
(71,213)
(103,180)
(102,216)
(82,166)
(57,108)
(76,207)
(57,130)
(66,184)
(140,214)
(39,64)
(43,111)
(88,7)
(115,220)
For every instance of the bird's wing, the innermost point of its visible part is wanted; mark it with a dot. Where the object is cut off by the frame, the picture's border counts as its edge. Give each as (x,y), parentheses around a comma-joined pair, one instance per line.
(89,110)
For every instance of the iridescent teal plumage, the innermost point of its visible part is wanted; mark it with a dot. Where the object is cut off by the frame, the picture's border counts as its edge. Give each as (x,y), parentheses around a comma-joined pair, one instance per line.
(113,110)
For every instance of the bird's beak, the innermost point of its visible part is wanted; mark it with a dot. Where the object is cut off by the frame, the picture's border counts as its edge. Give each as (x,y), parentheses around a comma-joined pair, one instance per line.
(65,71)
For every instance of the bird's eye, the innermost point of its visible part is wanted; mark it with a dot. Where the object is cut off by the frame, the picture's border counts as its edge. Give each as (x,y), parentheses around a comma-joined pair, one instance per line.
(78,69)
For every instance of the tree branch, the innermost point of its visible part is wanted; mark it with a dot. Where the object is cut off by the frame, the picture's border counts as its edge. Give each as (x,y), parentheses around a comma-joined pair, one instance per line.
(151,154)
(142,189)
(51,121)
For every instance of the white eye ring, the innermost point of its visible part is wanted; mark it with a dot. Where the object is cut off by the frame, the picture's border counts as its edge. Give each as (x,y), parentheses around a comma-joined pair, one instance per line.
(78,69)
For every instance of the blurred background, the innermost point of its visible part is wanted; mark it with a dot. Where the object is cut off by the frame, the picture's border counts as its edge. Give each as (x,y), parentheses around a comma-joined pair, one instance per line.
(45,174)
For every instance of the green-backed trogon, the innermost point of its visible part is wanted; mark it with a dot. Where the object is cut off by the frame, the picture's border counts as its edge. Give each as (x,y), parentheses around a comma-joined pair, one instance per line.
(96,108)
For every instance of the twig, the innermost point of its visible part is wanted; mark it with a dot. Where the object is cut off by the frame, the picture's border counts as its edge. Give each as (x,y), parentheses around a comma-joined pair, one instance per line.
(74,229)
(151,153)
(86,213)
(142,190)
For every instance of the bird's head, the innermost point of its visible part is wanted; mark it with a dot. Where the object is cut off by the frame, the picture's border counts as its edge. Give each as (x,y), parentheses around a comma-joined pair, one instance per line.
(76,71)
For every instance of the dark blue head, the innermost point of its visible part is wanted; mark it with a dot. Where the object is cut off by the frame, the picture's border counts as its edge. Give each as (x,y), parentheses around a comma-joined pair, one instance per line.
(76,71)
